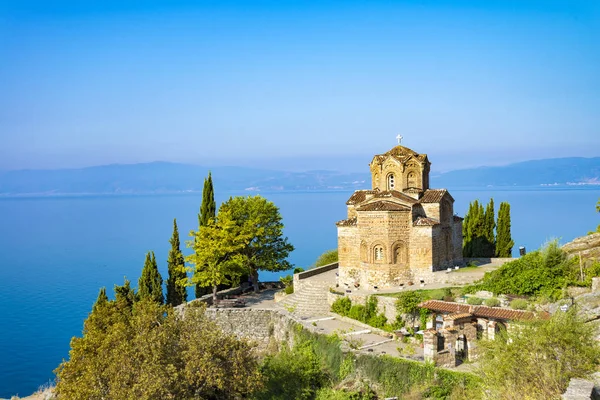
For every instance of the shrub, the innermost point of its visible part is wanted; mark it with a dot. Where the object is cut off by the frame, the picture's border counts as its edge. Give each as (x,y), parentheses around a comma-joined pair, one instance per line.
(377,321)
(341,306)
(329,257)
(493,302)
(357,312)
(297,270)
(518,304)
(289,289)
(474,301)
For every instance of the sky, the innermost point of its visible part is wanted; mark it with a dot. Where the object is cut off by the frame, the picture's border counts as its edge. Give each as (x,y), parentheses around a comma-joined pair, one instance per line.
(297,84)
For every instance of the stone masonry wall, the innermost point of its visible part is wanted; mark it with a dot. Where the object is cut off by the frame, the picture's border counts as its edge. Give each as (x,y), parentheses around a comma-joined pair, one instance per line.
(261,326)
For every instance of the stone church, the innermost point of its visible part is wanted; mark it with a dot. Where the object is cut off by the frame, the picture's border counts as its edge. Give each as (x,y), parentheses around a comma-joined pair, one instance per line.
(400,231)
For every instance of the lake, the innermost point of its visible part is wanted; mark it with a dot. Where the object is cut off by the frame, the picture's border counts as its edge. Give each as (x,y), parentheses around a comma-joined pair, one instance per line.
(55,253)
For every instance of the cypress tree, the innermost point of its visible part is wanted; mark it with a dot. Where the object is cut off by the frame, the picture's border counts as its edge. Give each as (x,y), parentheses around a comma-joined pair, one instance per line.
(208,210)
(504,242)
(467,238)
(176,290)
(150,283)
(101,301)
(490,224)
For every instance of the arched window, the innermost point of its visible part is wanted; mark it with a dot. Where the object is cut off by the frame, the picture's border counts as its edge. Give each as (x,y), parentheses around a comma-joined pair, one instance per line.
(412,180)
(363,252)
(391,183)
(400,253)
(378,253)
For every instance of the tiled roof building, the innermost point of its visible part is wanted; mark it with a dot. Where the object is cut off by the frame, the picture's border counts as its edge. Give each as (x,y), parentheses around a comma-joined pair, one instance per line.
(400,230)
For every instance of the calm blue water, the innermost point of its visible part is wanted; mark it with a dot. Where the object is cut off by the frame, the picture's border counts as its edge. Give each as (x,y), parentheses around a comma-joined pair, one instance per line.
(55,253)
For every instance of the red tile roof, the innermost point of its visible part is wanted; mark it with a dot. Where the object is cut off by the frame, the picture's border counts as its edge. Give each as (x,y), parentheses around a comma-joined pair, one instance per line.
(359,196)
(433,195)
(396,194)
(478,311)
(347,222)
(383,205)
(425,221)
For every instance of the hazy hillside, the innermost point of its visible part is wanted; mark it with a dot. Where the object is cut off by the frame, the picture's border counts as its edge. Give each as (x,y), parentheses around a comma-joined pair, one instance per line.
(164,177)
(554,171)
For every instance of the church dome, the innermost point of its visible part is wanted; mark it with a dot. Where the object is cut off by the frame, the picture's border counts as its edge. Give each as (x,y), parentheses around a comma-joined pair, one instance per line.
(401,151)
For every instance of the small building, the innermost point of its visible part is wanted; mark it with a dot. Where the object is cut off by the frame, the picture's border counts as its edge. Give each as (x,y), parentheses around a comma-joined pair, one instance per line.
(452,332)
(399,231)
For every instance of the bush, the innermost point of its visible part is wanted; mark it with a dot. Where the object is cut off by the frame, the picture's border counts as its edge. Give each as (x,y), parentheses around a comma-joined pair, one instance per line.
(341,306)
(289,289)
(518,304)
(493,302)
(329,257)
(474,301)
(297,270)
(357,312)
(377,321)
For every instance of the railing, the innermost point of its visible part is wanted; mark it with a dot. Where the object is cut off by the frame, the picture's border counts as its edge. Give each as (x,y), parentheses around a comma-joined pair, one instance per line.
(317,271)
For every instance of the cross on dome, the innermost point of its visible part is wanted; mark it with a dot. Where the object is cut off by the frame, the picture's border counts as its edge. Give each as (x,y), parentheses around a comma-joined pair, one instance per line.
(399,138)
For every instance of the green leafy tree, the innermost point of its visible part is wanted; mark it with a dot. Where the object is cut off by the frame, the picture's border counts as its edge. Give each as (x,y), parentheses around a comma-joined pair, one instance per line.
(260,221)
(329,257)
(408,303)
(177,281)
(598,206)
(150,282)
(504,242)
(537,360)
(148,352)
(218,247)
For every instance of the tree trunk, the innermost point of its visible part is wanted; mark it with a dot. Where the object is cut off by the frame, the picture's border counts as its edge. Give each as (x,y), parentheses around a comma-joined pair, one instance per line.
(254,277)
(214,295)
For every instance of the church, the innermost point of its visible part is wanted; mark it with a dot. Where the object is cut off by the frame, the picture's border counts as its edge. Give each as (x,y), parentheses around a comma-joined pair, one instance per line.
(400,231)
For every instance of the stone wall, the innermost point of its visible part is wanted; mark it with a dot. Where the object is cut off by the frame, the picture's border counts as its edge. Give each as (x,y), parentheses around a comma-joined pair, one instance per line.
(261,326)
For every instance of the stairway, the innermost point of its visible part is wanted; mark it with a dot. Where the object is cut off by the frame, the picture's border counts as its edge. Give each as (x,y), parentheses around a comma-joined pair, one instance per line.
(311,300)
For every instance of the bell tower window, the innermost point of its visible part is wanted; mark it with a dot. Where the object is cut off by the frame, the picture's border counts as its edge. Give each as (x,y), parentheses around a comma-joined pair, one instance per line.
(378,253)
(391,183)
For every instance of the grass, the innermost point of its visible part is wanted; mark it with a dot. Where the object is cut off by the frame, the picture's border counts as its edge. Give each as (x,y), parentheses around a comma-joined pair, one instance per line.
(470,268)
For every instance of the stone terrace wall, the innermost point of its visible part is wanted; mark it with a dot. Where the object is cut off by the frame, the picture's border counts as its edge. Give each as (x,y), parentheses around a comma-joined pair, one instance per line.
(301,276)
(261,326)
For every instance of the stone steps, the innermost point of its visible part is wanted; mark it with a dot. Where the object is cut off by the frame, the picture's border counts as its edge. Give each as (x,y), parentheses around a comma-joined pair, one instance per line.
(310,300)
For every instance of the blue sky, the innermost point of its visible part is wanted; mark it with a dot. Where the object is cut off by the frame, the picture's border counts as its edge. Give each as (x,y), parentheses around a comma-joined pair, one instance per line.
(297,85)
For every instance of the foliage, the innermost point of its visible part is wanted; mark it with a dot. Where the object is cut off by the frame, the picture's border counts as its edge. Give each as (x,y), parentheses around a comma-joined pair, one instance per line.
(548,354)
(397,376)
(518,304)
(259,220)
(217,257)
(144,351)
(329,257)
(208,209)
(297,270)
(341,306)
(292,374)
(474,301)
(504,242)
(150,282)
(177,280)
(492,302)
(478,230)
(331,394)
(408,303)
(539,273)
(101,300)
(424,315)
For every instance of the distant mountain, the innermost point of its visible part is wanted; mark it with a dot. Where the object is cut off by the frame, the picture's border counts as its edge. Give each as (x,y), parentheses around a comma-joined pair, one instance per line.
(548,172)
(165,177)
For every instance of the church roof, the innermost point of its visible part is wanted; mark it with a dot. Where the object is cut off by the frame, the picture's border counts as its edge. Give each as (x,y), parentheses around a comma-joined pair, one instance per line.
(401,153)
(383,205)
(424,221)
(359,196)
(433,195)
(396,194)
(347,222)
